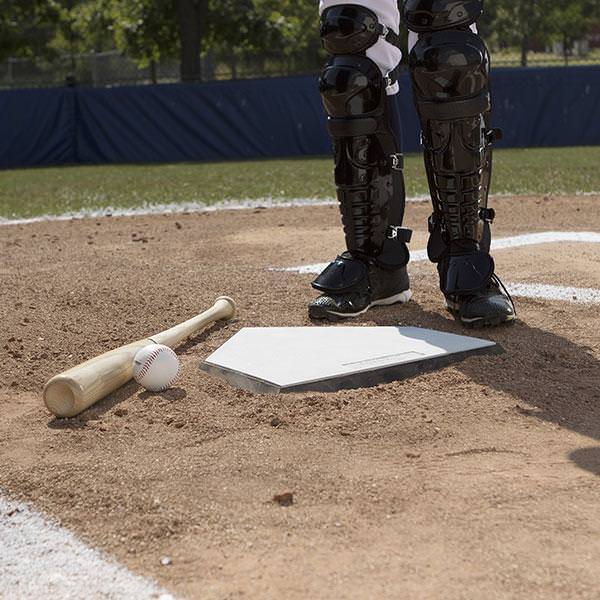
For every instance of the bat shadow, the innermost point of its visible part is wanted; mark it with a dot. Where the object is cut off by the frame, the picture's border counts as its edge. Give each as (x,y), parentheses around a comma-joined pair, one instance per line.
(98,410)
(204,335)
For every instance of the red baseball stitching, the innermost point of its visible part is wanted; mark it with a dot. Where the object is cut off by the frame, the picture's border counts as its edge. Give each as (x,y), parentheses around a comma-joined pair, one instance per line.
(148,363)
(174,377)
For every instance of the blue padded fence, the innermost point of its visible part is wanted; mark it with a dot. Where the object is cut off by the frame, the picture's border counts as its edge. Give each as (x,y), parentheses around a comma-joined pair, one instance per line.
(261,118)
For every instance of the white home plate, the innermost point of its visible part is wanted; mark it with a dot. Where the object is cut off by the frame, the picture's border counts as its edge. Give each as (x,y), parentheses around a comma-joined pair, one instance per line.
(294,359)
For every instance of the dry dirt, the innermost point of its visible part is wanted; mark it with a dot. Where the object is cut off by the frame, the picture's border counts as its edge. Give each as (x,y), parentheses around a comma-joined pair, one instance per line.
(479,481)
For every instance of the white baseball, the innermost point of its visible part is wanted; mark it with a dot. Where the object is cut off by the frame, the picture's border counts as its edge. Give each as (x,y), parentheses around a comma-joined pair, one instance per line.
(156,367)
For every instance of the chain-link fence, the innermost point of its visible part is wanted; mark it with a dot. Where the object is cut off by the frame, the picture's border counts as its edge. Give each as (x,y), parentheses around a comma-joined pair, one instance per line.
(112,68)
(99,69)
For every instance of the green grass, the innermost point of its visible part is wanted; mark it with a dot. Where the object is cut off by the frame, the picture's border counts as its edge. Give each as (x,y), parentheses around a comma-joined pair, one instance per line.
(33,192)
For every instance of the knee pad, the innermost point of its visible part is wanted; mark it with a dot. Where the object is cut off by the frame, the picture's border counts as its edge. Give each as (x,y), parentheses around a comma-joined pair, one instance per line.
(437,15)
(352,87)
(347,32)
(449,64)
(450,75)
(352,29)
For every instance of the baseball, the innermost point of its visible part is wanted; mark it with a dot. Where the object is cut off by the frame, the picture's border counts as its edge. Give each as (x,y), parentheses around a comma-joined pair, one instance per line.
(156,367)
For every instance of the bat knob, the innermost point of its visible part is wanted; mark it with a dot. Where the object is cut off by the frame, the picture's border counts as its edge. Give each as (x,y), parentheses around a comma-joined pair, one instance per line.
(228,305)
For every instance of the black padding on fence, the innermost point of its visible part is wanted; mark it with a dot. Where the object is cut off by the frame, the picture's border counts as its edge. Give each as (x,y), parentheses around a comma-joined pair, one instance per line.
(262,118)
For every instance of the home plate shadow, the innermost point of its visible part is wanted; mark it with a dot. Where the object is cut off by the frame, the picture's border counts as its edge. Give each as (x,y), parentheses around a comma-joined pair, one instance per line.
(327,359)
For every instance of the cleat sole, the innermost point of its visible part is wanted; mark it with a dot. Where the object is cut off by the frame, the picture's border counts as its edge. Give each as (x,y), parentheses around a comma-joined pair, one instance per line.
(483,322)
(321,313)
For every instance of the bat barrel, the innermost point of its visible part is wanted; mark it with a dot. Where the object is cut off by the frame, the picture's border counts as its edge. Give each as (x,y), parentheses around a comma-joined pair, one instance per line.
(62,397)
(71,392)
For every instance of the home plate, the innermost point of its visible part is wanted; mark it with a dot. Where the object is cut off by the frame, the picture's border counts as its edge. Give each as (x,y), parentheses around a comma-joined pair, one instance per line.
(326,359)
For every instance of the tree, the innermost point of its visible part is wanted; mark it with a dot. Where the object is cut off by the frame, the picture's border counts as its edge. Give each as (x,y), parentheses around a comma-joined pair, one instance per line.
(78,27)
(282,32)
(570,22)
(144,30)
(297,27)
(234,31)
(191,15)
(24,29)
(519,22)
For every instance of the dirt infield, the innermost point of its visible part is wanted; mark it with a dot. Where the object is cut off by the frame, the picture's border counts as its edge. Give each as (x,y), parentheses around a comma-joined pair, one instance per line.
(478,481)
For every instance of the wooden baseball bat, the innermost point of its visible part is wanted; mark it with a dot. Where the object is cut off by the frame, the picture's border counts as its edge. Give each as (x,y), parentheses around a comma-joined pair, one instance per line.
(71,392)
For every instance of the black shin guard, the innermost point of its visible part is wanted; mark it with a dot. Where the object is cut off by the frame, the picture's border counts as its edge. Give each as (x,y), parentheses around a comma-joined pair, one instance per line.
(449,68)
(364,126)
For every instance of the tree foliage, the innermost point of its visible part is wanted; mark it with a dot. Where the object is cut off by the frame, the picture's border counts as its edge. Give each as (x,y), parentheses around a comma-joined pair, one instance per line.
(524,23)
(569,22)
(266,30)
(145,30)
(282,34)
(25,30)
(520,23)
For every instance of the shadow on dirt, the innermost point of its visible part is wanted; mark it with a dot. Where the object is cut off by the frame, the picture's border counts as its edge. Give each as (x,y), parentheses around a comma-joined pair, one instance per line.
(587,458)
(172,394)
(555,379)
(204,335)
(96,411)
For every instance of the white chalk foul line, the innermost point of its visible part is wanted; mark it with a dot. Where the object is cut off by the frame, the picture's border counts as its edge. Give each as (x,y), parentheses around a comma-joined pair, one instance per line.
(40,559)
(555,292)
(517,241)
(173,208)
(176,208)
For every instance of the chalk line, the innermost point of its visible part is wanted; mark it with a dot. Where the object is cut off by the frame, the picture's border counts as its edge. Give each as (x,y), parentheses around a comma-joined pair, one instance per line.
(40,559)
(517,241)
(555,292)
(176,208)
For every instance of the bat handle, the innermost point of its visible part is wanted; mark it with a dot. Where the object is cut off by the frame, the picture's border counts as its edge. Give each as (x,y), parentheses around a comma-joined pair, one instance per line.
(223,308)
(227,306)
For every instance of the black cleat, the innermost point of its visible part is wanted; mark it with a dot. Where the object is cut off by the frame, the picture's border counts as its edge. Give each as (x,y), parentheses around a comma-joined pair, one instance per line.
(487,308)
(334,307)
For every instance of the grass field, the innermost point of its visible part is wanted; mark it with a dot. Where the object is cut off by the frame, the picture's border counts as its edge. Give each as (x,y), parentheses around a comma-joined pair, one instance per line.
(51,191)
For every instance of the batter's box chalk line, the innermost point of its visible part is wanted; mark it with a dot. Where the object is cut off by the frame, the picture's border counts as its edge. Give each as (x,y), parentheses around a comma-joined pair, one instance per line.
(40,559)
(524,290)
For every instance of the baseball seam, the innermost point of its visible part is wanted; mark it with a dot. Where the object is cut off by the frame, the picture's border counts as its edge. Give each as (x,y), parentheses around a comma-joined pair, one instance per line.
(174,376)
(148,363)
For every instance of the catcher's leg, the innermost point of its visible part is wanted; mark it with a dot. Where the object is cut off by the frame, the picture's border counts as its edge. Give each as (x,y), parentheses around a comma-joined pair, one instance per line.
(357,87)
(449,66)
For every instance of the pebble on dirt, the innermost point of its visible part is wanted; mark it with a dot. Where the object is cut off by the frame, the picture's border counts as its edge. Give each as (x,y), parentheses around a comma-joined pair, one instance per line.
(286,499)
